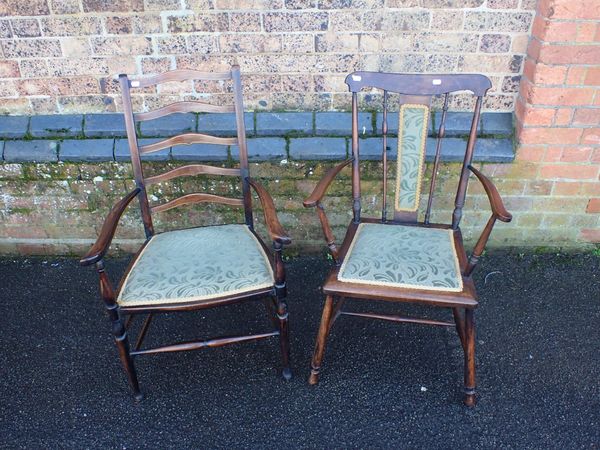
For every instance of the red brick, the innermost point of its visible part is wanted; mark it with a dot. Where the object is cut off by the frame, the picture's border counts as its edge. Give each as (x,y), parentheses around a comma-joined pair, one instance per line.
(591,136)
(566,188)
(586,116)
(593,206)
(596,156)
(576,154)
(569,54)
(592,76)
(553,154)
(551,31)
(560,96)
(576,75)
(531,153)
(550,135)
(569,9)
(586,32)
(563,116)
(530,116)
(590,234)
(542,74)
(568,171)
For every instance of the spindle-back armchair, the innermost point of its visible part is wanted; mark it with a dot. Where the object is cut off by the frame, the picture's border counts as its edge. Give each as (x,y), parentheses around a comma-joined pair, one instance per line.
(400,258)
(197,268)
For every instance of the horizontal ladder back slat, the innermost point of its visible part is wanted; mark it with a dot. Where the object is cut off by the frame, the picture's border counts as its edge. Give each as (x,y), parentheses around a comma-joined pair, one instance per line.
(187,139)
(183,107)
(191,170)
(179,75)
(197,198)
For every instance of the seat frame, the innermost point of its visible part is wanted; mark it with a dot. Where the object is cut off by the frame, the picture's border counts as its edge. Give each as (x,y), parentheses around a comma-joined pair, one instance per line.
(274,297)
(412,88)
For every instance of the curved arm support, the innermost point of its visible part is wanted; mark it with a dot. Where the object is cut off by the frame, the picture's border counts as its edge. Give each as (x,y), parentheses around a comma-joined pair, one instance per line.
(315,200)
(319,192)
(107,232)
(274,227)
(499,212)
(496,203)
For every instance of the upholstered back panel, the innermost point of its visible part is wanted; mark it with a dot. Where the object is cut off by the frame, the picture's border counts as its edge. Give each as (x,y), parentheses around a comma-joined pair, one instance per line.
(412,140)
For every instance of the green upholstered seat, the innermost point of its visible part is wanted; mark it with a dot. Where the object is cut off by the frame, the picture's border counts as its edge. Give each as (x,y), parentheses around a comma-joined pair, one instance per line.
(402,256)
(197,264)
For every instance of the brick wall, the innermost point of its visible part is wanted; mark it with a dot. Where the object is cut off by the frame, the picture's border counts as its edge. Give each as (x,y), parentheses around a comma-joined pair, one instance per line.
(62,55)
(558,115)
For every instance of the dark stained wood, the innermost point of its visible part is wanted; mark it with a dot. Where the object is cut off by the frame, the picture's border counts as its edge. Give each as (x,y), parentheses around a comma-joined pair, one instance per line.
(436,160)
(413,89)
(197,198)
(419,84)
(274,227)
(99,249)
(384,131)
(179,75)
(187,139)
(192,170)
(196,345)
(278,290)
(183,107)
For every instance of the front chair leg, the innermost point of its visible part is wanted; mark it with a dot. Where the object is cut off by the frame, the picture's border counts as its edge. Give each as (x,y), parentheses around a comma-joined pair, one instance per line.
(321,339)
(469,335)
(284,342)
(120,335)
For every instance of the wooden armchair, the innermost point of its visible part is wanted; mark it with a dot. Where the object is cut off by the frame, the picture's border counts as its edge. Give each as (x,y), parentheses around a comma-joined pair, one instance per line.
(402,259)
(198,268)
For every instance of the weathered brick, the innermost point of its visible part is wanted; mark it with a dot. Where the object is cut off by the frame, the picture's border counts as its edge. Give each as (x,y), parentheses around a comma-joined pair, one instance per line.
(550,136)
(71,26)
(567,54)
(494,43)
(27,151)
(112,5)
(29,68)
(318,148)
(86,150)
(31,48)
(30,8)
(586,116)
(217,22)
(118,25)
(26,27)
(263,149)
(58,125)
(13,126)
(244,22)
(65,6)
(568,171)
(130,45)
(9,69)
(288,21)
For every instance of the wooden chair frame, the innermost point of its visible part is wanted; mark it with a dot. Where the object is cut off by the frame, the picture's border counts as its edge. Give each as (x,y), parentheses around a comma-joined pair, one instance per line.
(412,88)
(274,296)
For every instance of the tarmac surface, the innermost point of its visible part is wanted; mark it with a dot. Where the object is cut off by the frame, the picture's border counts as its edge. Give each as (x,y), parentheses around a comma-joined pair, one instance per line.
(383,385)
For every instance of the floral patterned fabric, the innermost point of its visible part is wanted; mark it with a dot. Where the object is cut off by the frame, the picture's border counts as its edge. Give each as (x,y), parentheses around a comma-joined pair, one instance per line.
(402,256)
(197,264)
(412,139)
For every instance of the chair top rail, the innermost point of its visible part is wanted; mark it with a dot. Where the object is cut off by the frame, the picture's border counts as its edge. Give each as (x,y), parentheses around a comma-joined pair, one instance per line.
(178,75)
(187,139)
(191,170)
(183,107)
(419,84)
(197,198)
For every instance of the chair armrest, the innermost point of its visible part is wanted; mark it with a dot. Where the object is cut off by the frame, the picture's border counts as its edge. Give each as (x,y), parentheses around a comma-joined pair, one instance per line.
(274,227)
(321,188)
(107,232)
(495,200)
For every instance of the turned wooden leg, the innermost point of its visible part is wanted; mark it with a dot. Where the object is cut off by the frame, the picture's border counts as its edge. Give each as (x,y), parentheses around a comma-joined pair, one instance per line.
(321,339)
(469,336)
(284,342)
(120,335)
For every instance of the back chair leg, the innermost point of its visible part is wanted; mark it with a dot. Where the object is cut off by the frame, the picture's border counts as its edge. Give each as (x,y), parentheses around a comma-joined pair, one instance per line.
(469,335)
(315,367)
(120,335)
(284,342)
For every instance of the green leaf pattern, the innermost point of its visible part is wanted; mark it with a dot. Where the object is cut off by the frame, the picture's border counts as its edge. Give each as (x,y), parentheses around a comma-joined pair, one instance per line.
(411,153)
(197,264)
(403,256)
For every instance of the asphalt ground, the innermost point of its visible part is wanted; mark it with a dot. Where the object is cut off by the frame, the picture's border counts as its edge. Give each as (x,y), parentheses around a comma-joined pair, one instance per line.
(383,385)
